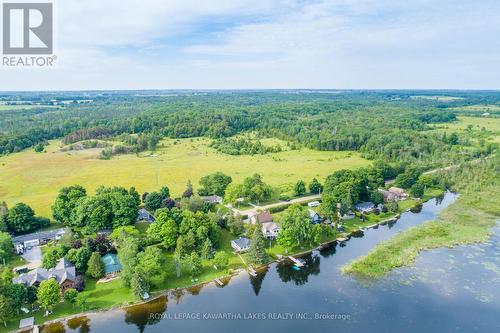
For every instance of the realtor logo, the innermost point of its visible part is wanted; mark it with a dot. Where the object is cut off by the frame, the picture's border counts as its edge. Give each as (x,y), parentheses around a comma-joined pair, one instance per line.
(27,28)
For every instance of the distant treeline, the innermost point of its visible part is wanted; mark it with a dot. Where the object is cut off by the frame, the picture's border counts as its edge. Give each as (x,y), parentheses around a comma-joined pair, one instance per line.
(386,124)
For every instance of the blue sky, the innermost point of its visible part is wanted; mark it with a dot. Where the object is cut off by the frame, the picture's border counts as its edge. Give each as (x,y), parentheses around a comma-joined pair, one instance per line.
(226,44)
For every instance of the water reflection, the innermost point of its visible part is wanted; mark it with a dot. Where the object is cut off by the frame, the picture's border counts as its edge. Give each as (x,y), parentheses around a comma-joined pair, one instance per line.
(81,323)
(288,272)
(451,290)
(329,250)
(57,327)
(146,314)
(257,280)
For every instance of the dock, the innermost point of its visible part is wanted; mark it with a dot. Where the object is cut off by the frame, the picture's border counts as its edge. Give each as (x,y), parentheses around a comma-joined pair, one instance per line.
(219,282)
(341,239)
(297,262)
(252,271)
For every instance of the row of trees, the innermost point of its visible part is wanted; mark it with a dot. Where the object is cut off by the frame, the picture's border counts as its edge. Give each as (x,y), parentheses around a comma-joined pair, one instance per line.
(20,219)
(110,208)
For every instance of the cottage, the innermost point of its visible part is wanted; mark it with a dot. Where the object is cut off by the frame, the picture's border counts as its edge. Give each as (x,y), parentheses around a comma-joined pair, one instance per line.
(241,244)
(23,242)
(365,207)
(393,194)
(399,192)
(64,273)
(111,264)
(213,199)
(348,216)
(145,216)
(270,230)
(263,217)
(315,217)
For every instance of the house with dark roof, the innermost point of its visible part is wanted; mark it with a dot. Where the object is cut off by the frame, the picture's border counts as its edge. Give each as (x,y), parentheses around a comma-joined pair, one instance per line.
(64,273)
(262,217)
(241,244)
(111,264)
(213,199)
(365,207)
(315,217)
(22,242)
(145,216)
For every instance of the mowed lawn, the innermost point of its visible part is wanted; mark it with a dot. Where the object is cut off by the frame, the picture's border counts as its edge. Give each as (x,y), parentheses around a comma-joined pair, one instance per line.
(35,178)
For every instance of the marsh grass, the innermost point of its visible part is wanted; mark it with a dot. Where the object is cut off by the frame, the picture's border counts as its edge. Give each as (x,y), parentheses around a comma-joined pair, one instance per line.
(468,220)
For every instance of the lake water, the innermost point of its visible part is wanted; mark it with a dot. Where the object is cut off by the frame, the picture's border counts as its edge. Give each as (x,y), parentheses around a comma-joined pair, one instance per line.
(448,290)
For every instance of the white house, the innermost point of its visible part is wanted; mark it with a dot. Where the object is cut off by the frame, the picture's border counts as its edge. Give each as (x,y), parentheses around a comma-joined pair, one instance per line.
(270,230)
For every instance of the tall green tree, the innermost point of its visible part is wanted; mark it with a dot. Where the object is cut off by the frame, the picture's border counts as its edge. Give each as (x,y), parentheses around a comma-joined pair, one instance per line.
(163,230)
(296,226)
(193,262)
(214,184)
(6,246)
(4,215)
(21,219)
(315,186)
(257,253)
(299,188)
(66,201)
(151,264)
(48,294)
(139,284)
(95,266)
(153,201)
(221,260)
(70,296)
(6,312)
(127,255)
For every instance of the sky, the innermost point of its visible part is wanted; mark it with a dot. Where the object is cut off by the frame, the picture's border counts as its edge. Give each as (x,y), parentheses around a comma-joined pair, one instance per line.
(269,44)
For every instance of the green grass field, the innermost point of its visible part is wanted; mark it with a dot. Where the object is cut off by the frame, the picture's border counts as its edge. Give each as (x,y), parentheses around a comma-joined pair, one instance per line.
(4,107)
(35,178)
(476,125)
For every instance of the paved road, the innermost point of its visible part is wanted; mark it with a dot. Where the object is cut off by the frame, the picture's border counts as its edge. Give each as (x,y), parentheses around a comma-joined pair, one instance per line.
(266,207)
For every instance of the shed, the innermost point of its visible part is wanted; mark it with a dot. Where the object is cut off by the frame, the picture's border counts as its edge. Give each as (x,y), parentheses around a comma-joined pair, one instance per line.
(111,264)
(27,322)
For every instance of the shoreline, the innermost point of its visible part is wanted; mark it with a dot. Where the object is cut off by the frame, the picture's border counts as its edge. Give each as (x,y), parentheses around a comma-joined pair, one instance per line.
(237,272)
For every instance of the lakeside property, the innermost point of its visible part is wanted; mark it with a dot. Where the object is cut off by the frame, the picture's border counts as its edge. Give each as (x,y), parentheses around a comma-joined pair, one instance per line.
(468,220)
(109,295)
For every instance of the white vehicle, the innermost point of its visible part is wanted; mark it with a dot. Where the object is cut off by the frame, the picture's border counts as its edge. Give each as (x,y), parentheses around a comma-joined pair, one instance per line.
(313,204)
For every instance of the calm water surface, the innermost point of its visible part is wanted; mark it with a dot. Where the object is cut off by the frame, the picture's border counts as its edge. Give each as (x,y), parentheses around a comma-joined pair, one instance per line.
(448,290)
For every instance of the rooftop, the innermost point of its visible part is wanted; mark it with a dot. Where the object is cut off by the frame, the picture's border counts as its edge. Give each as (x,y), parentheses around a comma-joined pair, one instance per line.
(41,235)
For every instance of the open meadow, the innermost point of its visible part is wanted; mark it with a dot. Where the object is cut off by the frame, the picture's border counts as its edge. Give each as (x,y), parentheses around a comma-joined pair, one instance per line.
(474,124)
(35,178)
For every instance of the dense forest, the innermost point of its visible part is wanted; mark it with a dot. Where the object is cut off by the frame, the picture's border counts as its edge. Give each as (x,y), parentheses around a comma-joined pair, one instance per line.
(392,125)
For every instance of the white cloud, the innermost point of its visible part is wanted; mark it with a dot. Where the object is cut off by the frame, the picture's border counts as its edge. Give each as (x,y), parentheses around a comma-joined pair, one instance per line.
(120,44)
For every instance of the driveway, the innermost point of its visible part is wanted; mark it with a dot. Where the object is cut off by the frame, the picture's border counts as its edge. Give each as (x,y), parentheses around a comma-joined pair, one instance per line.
(33,257)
